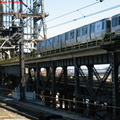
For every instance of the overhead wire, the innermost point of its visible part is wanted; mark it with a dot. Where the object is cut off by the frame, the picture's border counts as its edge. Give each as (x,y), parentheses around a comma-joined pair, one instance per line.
(85,16)
(72,12)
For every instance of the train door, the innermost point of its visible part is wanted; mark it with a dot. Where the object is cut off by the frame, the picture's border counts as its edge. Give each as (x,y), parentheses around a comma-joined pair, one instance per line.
(41,46)
(63,38)
(67,38)
(100,29)
(115,25)
(60,41)
(70,38)
(85,34)
(78,35)
(49,45)
(92,31)
(73,37)
(108,26)
(56,42)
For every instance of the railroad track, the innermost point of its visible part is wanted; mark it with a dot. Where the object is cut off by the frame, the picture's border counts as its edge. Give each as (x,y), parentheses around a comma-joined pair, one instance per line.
(38,112)
(11,112)
(28,112)
(7,114)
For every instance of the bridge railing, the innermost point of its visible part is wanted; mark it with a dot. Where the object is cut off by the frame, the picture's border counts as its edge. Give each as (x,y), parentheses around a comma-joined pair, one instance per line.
(80,46)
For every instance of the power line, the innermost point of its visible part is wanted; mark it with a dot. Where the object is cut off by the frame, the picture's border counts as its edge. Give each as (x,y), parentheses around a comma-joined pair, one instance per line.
(85,16)
(73,11)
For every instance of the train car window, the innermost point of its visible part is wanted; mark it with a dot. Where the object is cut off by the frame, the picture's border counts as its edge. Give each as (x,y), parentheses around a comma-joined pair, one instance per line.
(72,35)
(114,21)
(92,28)
(78,32)
(66,36)
(84,30)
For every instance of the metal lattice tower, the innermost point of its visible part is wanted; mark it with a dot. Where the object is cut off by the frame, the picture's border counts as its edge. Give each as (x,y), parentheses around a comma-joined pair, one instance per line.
(26,14)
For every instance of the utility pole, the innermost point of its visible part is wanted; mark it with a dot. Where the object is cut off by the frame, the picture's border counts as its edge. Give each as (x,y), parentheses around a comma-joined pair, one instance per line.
(22,68)
(22,62)
(43,20)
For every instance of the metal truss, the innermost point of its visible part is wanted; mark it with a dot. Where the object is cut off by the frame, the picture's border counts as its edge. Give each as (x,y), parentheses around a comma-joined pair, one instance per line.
(28,14)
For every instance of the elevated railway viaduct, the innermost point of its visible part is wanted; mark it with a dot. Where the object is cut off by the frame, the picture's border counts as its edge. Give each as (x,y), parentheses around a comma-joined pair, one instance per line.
(91,95)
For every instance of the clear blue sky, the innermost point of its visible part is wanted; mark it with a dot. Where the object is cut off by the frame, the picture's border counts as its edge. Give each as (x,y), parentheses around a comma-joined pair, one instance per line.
(57,8)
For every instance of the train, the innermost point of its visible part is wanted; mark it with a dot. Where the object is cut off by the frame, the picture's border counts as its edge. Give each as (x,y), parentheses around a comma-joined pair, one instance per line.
(87,33)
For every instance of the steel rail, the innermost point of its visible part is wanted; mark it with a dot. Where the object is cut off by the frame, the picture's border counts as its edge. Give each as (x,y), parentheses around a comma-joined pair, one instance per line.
(41,110)
(5,106)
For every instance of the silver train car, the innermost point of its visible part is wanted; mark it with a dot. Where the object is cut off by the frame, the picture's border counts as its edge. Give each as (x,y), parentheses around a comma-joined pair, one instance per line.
(88,33)
(115,24)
